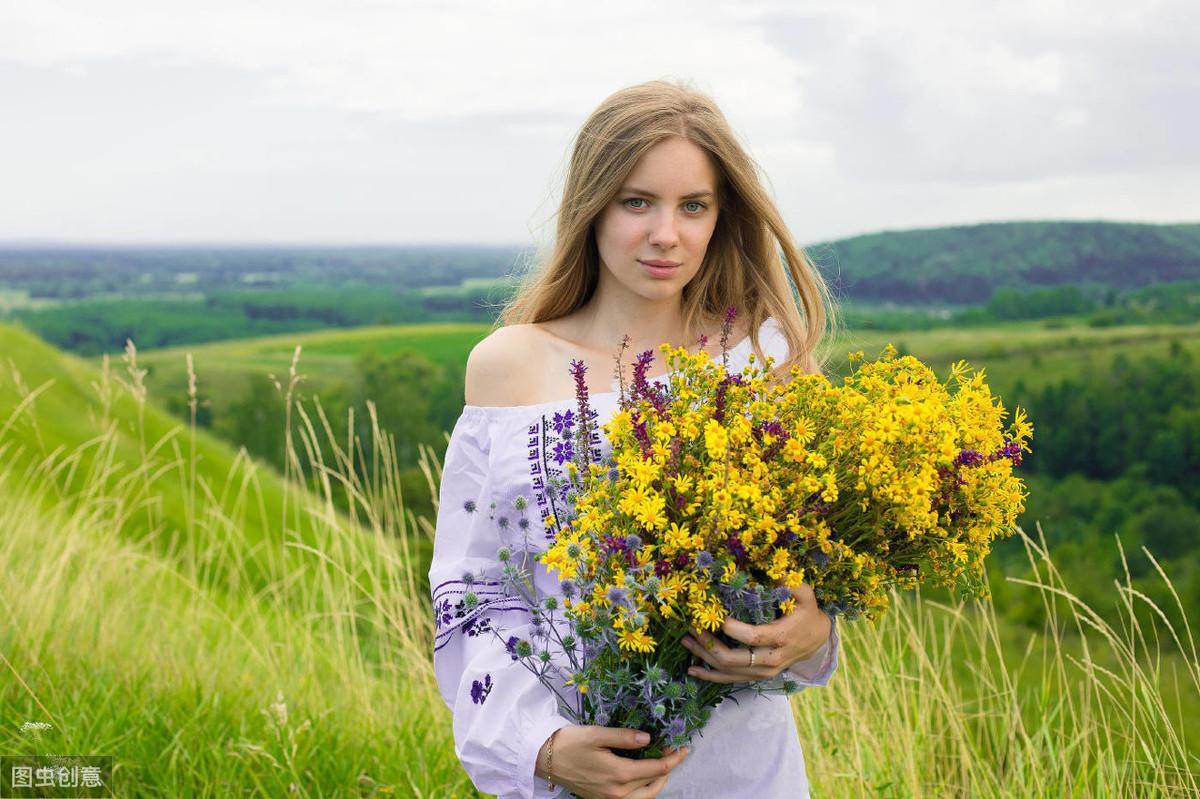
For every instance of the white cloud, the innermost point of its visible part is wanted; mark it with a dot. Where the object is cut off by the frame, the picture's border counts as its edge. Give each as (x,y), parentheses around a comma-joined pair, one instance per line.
(370,120)
(421,61)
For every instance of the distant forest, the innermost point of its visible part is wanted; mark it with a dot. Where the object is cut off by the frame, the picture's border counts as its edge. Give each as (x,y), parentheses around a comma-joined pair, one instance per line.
(90,300)
(968,264)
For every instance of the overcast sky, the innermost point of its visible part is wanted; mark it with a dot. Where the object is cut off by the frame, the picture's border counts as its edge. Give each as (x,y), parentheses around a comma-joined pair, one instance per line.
(377,121)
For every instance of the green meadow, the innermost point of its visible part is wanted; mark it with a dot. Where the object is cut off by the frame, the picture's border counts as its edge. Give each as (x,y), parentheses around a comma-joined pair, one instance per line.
(1006,350)
(221,627)
(327,355)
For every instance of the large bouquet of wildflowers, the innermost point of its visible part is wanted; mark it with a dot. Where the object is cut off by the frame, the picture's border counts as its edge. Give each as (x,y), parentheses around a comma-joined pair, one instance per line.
(726,491)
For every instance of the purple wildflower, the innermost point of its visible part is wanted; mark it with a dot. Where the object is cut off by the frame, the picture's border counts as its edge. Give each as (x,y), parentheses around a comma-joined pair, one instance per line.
(703,559)
(618,596)
(676,727)
(737,549)
(642,436)
(776,430)
(614,543)
(583,434)
(726,330)
(969,457)
(641,387)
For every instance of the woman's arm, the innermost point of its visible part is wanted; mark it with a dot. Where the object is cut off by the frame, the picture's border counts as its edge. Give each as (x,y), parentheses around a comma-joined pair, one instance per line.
(502,713)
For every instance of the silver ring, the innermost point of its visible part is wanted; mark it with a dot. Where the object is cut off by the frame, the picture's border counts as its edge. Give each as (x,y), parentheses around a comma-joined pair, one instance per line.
(752,657)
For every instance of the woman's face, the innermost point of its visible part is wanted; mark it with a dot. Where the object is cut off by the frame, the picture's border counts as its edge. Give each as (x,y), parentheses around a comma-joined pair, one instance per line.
(665,212)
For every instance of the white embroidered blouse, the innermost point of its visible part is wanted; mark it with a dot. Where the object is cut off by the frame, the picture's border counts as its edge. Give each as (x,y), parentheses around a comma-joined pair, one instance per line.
(502,713)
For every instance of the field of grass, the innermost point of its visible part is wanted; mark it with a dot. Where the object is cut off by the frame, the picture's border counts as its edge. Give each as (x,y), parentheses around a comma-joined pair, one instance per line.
(220,630)
(326,356)
(1028,350)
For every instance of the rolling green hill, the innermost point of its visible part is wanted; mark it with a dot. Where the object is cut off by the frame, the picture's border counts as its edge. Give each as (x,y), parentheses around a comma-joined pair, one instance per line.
(967,263)
(216,629)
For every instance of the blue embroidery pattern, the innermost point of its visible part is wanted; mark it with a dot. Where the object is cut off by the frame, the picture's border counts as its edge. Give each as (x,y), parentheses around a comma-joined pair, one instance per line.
(450,611)
(550,444)
(480,690)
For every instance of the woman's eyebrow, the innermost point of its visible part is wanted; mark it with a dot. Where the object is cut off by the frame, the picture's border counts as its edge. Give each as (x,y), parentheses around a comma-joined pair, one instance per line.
(653,196)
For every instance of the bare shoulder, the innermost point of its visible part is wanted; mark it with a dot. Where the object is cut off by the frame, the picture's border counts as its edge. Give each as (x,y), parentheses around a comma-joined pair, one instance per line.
(499,367)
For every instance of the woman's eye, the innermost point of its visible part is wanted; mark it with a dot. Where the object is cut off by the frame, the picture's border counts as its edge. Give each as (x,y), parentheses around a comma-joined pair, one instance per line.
(700,204)
(635,200)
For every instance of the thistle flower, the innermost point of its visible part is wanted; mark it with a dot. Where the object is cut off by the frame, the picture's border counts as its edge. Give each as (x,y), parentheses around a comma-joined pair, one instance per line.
(618,597)
(676,727)
(653,675)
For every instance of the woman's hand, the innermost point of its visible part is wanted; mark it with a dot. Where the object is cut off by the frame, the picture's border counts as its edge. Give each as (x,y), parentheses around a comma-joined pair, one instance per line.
(794,637)
(583,761)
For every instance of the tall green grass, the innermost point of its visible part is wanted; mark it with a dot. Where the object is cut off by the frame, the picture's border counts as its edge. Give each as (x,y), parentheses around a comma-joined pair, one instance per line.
(295,660)
(941,699)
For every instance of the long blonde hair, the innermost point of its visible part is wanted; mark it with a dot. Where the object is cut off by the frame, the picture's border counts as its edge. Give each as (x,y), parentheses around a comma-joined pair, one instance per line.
(742,266)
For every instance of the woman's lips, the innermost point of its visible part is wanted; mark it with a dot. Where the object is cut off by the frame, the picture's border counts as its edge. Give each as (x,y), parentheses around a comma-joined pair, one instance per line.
(659,269)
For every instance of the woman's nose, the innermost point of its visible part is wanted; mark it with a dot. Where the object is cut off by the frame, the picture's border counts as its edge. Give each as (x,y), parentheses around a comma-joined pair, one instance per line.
(662,232)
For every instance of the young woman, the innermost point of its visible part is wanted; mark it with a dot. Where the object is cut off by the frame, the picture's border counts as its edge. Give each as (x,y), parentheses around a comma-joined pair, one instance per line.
(663,225)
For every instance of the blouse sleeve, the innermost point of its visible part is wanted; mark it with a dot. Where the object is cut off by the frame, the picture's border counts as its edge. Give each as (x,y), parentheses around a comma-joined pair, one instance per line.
(818,668)
(502,712)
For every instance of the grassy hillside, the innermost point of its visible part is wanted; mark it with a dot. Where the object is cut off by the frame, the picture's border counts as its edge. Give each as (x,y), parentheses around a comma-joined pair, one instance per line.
(216,629)
(70,428)
(314,678)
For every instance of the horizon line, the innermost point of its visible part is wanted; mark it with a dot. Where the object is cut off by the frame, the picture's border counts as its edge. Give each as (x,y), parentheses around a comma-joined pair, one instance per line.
(32,242)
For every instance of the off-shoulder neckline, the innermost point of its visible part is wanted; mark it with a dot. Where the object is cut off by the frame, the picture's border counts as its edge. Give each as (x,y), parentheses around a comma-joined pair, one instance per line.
(483,410)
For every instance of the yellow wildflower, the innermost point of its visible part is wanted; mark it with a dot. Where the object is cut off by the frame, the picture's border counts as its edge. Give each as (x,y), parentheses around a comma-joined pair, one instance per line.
(635,641)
